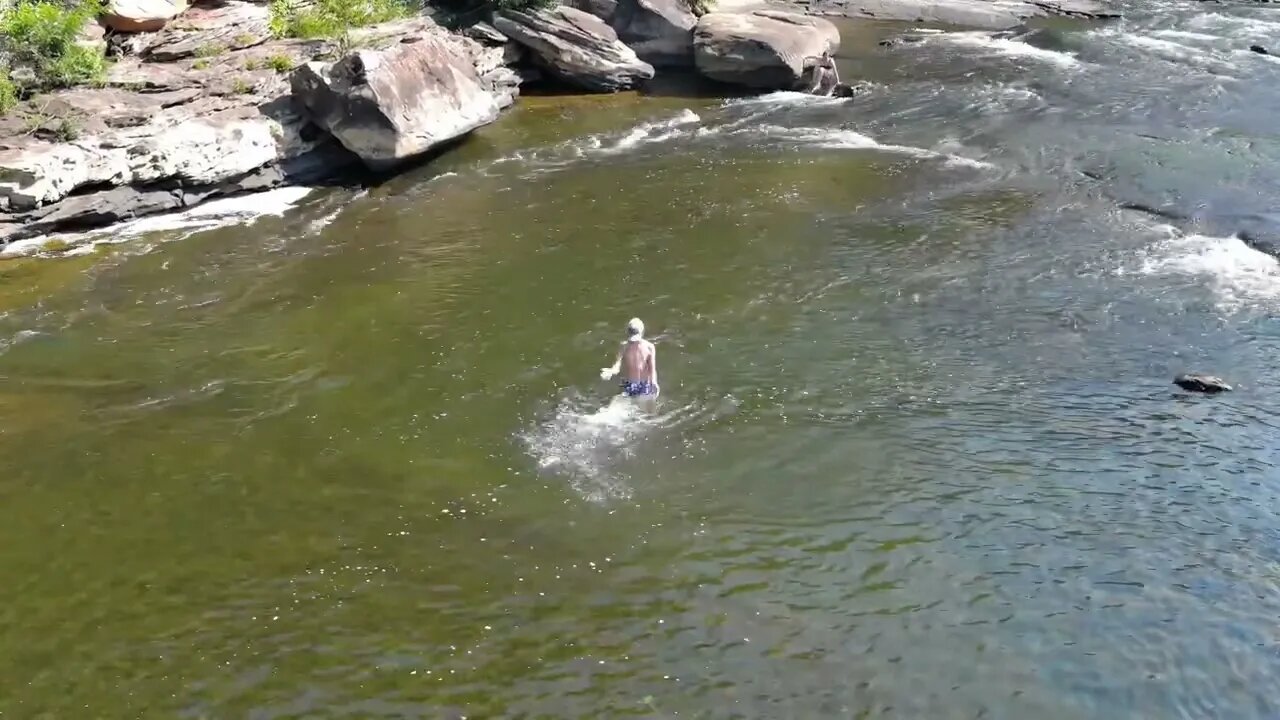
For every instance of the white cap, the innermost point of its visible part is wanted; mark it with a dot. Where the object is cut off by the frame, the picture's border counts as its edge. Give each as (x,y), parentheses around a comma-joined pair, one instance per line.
(635,328)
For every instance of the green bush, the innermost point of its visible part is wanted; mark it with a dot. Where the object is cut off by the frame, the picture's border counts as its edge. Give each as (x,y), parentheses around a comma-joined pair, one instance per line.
(332,19)
(41,35)
(280,63)
(8,92)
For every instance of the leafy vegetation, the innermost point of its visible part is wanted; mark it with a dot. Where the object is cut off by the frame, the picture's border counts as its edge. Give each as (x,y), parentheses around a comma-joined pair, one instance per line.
(8,92)
(334,19)
(280,63)
(40,40)
(209,50)
(240,86)
(201,64)
(700,7)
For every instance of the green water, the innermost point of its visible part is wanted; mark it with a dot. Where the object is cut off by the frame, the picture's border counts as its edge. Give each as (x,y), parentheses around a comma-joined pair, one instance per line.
(917,455)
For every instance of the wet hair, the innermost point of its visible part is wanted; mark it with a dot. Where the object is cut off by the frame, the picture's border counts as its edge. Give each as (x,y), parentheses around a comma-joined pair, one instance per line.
(635,328)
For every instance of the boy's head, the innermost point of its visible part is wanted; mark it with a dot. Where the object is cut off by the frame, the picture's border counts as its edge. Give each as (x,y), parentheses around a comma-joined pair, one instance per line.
(635,329)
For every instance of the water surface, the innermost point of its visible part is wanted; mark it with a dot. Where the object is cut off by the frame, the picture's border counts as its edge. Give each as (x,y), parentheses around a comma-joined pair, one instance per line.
(917,453)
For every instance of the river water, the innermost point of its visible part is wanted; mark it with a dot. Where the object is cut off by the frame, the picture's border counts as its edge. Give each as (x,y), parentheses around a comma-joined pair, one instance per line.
(917,453)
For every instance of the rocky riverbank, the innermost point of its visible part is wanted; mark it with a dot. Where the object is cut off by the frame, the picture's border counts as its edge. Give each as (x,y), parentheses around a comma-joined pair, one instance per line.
(208,103)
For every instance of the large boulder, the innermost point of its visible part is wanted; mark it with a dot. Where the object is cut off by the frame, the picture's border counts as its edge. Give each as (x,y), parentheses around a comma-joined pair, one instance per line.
(141,15)
(390,106)
(576,47)
(660,31)
(764,49)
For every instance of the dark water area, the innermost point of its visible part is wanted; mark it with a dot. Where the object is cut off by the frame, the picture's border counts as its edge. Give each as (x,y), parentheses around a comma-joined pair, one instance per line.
(917,453)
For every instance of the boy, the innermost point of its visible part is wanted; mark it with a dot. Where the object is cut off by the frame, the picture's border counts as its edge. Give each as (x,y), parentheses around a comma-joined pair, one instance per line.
(637,361)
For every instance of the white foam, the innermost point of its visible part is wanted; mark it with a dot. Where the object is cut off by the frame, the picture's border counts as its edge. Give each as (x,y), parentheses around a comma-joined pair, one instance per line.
(1235,25)
(784,98)
(1187,35)
(1237,274)
(1176,52)
(213,214)
(1006,46)
(604,144)
(842,139)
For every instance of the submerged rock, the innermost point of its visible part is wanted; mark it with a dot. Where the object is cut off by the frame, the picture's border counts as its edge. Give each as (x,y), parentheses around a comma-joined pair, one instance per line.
(141,15)
(1258,49)
(765,49)
(576,47)
(1196,382)
(391,106)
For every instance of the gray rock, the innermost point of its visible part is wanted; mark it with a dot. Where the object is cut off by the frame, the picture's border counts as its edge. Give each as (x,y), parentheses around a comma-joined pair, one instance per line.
(978,14)
(1195,382)
(213,29)
(1258,49)
(660,31)
(575,47)
(485,34)
(603,9)
(391,106)
(764,49)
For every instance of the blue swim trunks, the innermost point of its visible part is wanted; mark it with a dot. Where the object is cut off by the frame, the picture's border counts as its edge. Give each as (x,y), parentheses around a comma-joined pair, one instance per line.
(635,388)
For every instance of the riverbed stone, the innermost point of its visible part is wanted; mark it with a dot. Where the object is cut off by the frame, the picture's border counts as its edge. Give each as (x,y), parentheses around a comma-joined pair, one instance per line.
(391,106)
(764,49)
(575,47)
(140,15)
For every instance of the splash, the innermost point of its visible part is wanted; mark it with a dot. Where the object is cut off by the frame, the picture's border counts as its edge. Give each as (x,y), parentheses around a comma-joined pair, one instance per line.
(606,144)
(585,444)
(1236,273)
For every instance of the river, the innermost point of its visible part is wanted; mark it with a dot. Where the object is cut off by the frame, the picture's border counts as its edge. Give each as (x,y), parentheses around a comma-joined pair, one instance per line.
(917,453)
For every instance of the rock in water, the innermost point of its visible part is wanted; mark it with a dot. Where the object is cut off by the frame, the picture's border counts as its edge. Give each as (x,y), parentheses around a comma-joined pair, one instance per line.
(1258,49)
(1201,383)
(765,49)
(390,106)
(141,15)
(576,47)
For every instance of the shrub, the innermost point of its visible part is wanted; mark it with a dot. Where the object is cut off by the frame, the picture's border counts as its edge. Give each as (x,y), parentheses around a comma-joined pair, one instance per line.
(209,50)
(331,19)
(240,86)
(280,63)
(201,64)
(8,92)
(42,35)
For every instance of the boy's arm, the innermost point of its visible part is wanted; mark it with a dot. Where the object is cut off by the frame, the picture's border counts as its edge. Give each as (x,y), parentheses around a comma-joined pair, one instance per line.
(653,365)
(609,372)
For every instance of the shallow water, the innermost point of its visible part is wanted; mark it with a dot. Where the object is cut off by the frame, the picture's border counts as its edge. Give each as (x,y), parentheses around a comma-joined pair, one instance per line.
(917,453)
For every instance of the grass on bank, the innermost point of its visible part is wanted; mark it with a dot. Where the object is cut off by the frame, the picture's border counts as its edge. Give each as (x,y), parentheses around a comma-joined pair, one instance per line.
(332,19)
(40,41)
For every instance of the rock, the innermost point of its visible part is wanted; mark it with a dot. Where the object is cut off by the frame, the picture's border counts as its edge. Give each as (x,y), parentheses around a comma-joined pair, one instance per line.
(901,40)
(211,30)
(844,90)
(141,15)
(977,14)
(1195,382)
(765,49)
(659,31)
(394,105)
(575,47)
(603,9)
(1258,49)
(485,34)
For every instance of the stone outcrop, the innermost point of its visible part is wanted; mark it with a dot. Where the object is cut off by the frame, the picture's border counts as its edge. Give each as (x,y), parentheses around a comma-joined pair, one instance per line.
(765,49)
(390,106)
(977,14)
(575,47)
(140,15)
(176,125)
(659,31)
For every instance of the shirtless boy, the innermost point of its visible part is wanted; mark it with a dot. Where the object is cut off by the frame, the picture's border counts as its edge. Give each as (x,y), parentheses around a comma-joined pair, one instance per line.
(637,361)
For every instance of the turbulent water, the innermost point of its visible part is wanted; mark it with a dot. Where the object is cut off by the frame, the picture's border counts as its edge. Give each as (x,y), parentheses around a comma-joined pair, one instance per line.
(917,455)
